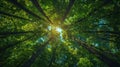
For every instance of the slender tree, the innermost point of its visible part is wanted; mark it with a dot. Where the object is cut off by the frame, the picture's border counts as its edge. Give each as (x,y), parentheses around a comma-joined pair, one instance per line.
(38,52)
(10,15)
(25,9)
(71,3)
(102,56)
(11,45)
(35,2)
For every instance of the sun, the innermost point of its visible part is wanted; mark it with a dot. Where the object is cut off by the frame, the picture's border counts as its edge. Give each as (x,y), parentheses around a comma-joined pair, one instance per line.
(58,29)
(55,29)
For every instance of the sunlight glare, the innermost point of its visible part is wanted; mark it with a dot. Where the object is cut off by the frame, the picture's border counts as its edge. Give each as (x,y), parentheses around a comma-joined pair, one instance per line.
(58,29)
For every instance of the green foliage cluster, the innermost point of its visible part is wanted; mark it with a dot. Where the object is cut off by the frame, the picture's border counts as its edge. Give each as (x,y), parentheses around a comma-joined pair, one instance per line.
(89,37)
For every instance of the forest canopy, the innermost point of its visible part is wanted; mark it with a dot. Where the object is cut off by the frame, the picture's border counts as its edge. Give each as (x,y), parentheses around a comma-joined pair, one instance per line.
(59,33)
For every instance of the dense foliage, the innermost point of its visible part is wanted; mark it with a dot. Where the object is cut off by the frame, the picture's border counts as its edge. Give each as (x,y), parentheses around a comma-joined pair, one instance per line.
(59,33)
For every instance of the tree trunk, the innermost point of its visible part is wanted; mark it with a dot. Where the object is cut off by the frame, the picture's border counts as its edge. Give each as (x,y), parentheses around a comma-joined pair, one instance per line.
(100,55)
(35,2)
(10,15)
(31,60)
(25,9)
(13,44)
(67,10)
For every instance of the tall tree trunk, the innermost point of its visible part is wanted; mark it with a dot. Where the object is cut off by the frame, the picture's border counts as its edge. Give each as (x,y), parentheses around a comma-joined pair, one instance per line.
(10,15)
(105,2)
(35,2)
(111,62)
(25,9)
(53,57)
(111,32)
(14,44)
(15,33)
(67,10)
(31,60)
